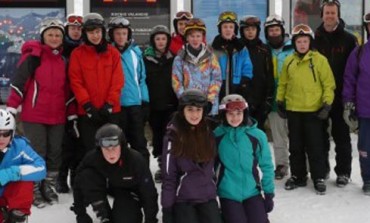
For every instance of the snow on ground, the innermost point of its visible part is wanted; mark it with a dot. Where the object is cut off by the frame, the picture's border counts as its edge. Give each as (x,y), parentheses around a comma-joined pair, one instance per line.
(339,205)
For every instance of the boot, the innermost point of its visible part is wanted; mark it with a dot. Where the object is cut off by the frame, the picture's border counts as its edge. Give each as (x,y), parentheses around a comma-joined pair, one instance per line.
(16,216)
(47,190)
(61,184)
(320,186)
(294,182)
(72,176)
(38,199)
(102,210)
(366,188)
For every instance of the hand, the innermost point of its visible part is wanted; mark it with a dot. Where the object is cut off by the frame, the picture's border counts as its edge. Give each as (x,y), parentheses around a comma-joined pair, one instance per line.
(281,110)
(269,202)
(167,215)
(323,112)
(106,111)
(11,173)
(102,210)
(244,87)
(83,218)
(349,116)
(72,128)
(92,113)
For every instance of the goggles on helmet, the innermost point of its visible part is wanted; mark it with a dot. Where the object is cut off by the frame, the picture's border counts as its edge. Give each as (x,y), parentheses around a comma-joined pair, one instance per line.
(302,29)
(111,141)
(183,15)
(228,16)
(74,20)
(367,18)
(250,20)
(195,23)
(119,22)
(194,100)
(274,20)
(330,2)
(234,105)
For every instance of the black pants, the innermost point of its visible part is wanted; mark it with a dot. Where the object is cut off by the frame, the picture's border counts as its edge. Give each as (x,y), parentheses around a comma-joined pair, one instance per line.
(158,121)
(306,137)
(260,115)
(207,212)
(342,139)
(132,123)
(72,152)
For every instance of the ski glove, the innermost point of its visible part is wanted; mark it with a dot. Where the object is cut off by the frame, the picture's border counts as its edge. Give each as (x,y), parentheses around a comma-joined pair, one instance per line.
(167,215)
(323,112)
(268,105)
(92,113)
(106,111)
(72,128)
(12,173)
(83,218)
(349,116)
(102,211)
(269,202)
(281,109)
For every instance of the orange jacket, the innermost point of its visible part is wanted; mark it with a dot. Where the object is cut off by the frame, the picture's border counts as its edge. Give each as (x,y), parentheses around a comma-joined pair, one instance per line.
(96,78)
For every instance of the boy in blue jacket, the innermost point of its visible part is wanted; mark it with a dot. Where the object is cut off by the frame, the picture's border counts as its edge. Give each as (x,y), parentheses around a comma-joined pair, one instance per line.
(20,166)
(242,148)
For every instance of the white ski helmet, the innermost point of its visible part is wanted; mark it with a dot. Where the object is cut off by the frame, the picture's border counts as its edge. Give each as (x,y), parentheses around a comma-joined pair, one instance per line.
(7,121)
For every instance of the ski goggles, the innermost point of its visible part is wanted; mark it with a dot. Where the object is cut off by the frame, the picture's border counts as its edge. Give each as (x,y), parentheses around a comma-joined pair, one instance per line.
(194,100)
(234,105)
(107,142)
(183,15)
(227,16)
(119,21)
(195,23)
(274,20)
(367,18)
(301,29)
(74,20)
(330,2)
(6,134)
(250,20)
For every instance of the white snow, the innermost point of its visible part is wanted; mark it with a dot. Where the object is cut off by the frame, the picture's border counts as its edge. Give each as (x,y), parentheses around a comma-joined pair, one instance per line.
(339,205)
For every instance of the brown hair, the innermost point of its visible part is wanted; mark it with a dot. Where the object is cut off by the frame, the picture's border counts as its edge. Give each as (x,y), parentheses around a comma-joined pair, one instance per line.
(193,142)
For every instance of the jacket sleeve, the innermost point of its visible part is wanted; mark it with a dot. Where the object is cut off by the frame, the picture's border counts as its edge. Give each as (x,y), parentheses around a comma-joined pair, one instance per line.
(21,81)
(33,167)
(327,82)
(247,67)
(169,175)
(177,76)
(117,79)
(216,80)
(350,77)
(143,86)
(75,74)
(281,90)
(148,192)
(266,164)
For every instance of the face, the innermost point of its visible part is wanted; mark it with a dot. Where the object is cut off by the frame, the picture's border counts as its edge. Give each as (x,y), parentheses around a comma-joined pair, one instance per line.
(111,154)
(234,118)
(302,44)
(193,114)
(5,136)
(95,36)
(53,38)
(74,32)
(227,30)
(160,41)
(120,36)
(195,38)
(181,26)
(250,32)
(330,15)
(274,31)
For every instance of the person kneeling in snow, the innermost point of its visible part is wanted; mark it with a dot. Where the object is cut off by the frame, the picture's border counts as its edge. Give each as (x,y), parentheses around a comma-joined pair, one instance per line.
(20,166)
(114,169)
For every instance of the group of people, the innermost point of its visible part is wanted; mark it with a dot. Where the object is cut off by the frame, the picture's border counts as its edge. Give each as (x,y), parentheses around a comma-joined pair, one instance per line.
(87,90)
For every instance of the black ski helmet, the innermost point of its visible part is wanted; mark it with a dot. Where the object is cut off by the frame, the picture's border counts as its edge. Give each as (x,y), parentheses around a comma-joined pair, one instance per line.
(109,131)
(193,97)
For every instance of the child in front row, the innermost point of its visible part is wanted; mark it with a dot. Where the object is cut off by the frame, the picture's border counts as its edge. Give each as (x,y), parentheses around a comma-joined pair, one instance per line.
(242,148)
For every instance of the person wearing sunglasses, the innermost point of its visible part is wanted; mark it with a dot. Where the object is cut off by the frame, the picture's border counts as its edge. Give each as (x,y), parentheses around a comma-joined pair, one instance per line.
(242,148)
(178,39)
(306,87)
(233,57)
(189,151)
(20,167)
(113,169)
(163,101)
(355,94)
(40,86)
(281,47)
(72,144)
(134,99)
(335,43)
(196,66)
(261,93)
(96,79)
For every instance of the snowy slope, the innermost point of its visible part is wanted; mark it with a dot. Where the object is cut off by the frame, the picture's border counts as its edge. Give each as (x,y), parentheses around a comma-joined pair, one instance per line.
(339,205)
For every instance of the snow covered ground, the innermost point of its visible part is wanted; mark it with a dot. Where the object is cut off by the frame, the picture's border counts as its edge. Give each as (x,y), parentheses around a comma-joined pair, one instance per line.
(339,205)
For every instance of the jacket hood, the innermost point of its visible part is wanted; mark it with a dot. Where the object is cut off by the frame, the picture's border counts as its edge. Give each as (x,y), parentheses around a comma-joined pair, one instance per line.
(32,47)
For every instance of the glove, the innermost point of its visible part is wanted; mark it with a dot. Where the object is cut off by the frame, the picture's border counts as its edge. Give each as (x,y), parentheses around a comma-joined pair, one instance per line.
(268,105)
(281,109)
(11,173)
(244,87)
(83,218)
(106,111)
(72,128)
(167,215)
(269,202)
(92,113)
(102,211)
(323,112)
(146,110)
(349,116)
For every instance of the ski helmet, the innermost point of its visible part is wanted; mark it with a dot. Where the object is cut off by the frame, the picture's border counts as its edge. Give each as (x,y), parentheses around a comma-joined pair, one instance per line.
(73,20)
(329,2)
(160,29)
(274,20)
(181,15)
(228,16)
(48,23)
(247,21)
(195,23)
(193,97)
(7,121)
(302,30)
(109,135)
(119,22)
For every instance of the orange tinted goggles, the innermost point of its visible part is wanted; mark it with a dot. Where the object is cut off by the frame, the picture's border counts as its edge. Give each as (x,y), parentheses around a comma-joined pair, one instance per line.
(195,22)
(74,20)
(235,105)
(301,29)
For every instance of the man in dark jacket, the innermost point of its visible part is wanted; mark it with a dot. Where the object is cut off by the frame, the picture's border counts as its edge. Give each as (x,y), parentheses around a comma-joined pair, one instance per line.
(114,169)
(336,44)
